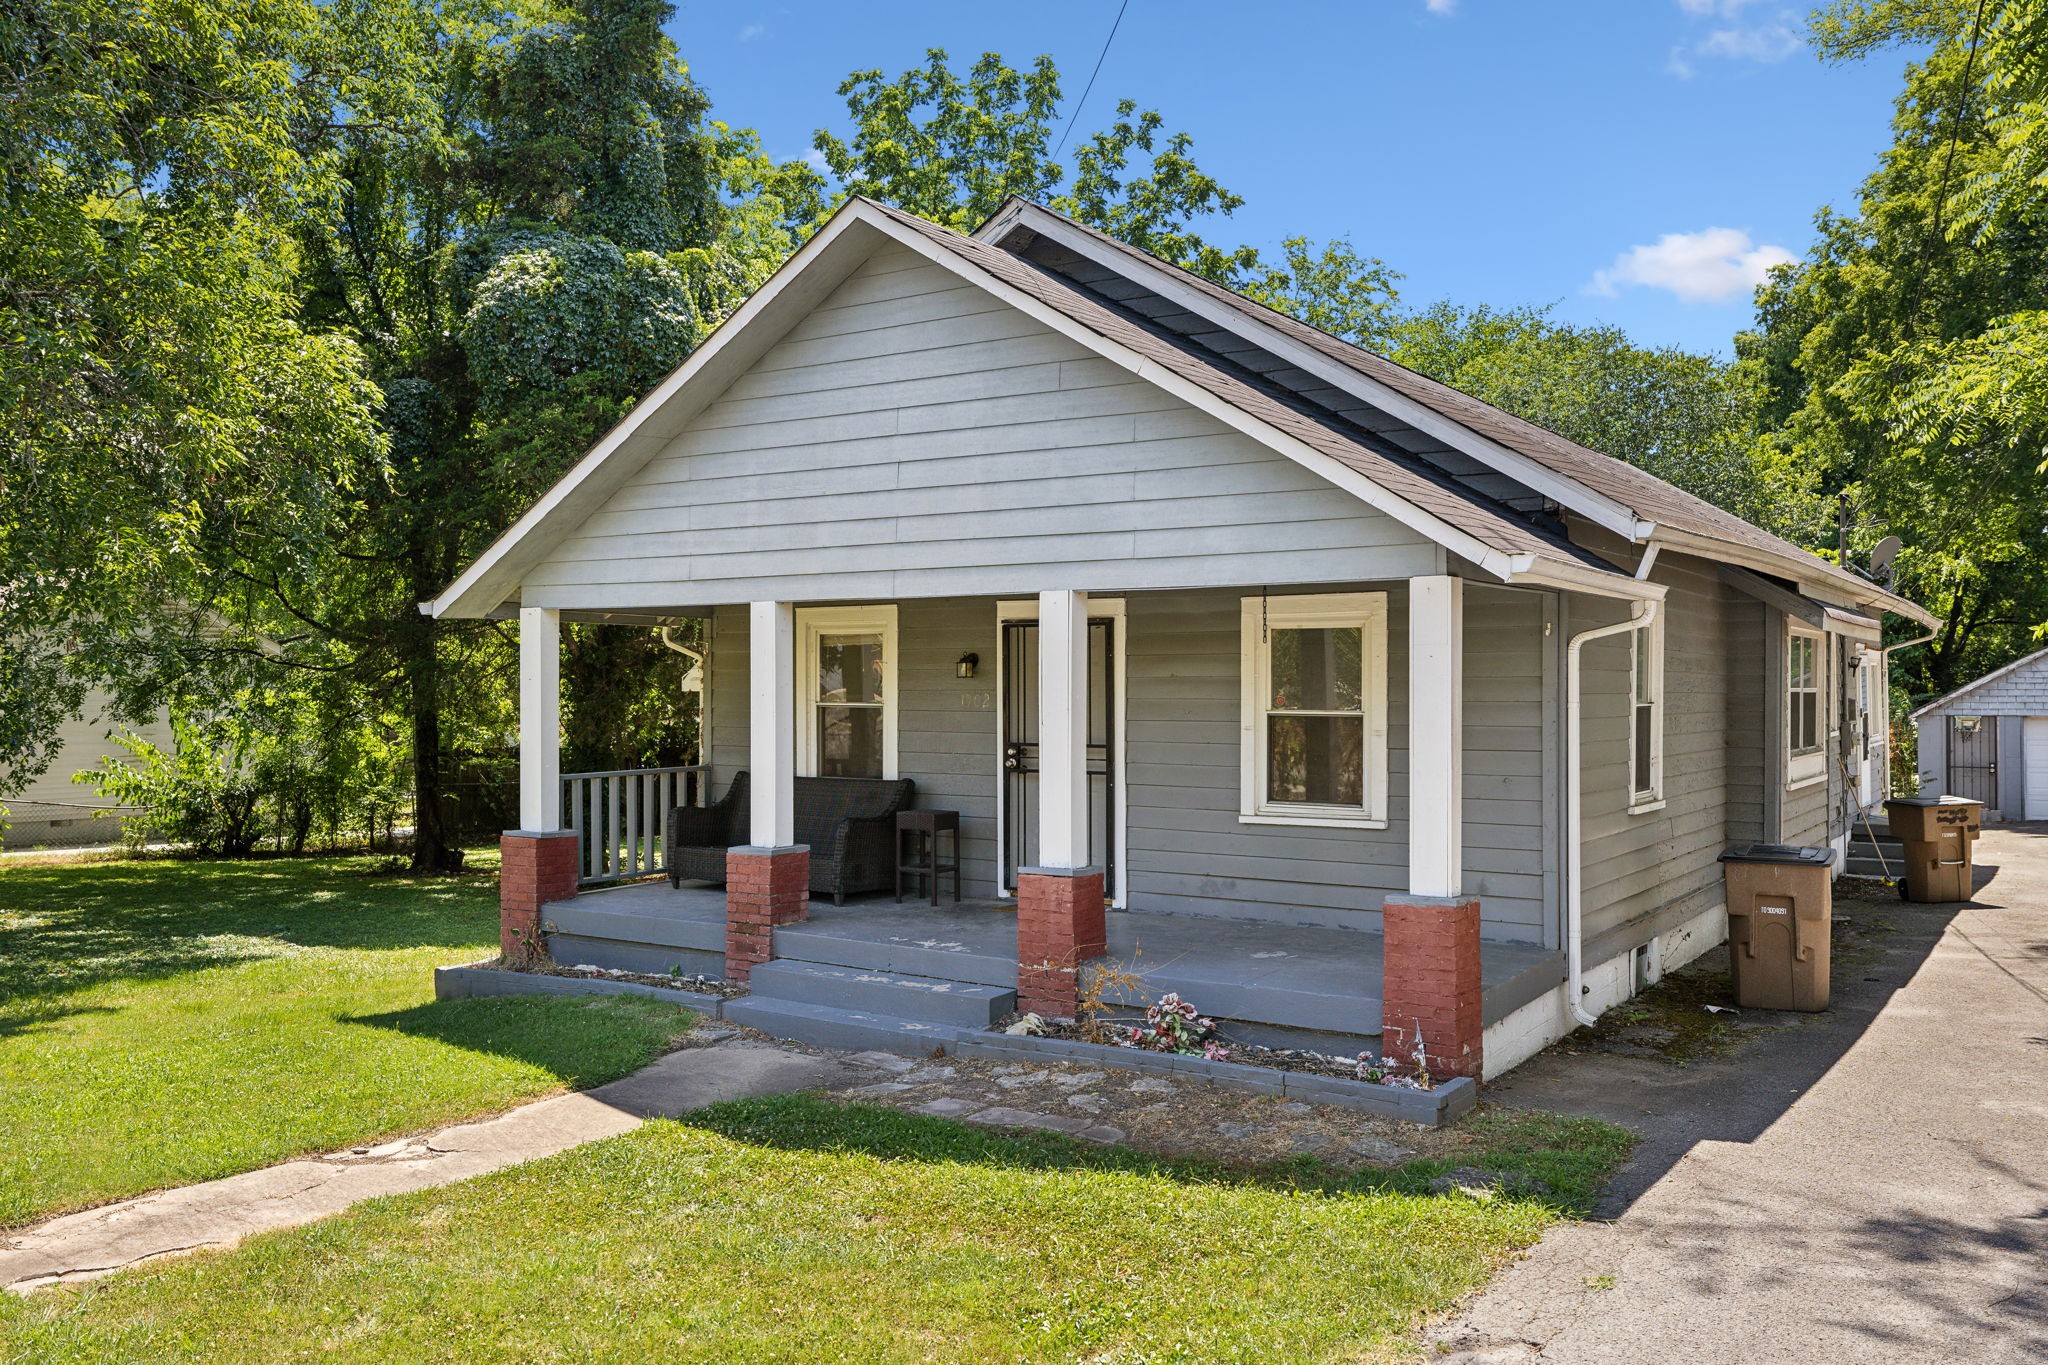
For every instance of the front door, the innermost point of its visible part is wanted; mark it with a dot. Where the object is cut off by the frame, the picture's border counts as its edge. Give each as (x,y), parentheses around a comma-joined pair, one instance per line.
(1973,758)
(1019,814)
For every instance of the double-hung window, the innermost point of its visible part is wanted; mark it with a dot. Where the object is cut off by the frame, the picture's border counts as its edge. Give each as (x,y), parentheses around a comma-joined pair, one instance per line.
(846,696)
(1314,711)
(1646,716)
(1805,707)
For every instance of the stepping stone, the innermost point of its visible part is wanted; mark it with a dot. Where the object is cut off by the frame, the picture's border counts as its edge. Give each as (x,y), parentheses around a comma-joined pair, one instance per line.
(1241,1131)
(880,1088)
(950,1107)
(926,1074)
(1085,1100)
(1379,1149)
(1292,1107)
(1151,1085)
(1074,1080)
(1313,1142)
(1012,1082)
(883,1061)
(1101,1132)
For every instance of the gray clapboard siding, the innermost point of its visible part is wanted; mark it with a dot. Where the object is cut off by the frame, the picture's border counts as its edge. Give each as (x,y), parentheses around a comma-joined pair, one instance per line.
(1747,719)
(1188,850)
(913,438)
(1639,867)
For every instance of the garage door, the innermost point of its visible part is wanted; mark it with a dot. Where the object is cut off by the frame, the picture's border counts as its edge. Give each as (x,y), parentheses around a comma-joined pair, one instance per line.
(2036,757)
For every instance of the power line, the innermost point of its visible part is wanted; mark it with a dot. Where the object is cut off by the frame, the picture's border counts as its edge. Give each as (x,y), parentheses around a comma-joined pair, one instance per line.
(1091,80)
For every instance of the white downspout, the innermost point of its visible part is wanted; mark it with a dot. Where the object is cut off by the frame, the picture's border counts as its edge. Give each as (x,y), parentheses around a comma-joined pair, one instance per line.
(1642,615)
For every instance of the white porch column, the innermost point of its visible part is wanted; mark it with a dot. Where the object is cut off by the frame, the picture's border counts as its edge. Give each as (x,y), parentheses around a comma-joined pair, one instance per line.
(540,719)
(772,723)
(1063,729)
(1436,735)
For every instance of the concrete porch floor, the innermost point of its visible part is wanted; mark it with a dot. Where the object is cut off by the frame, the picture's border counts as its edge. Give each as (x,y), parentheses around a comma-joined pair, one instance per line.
(1289,976)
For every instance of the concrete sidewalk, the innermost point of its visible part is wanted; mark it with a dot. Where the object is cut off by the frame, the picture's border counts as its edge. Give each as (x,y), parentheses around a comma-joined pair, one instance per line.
(220,1213)
(1872,1186)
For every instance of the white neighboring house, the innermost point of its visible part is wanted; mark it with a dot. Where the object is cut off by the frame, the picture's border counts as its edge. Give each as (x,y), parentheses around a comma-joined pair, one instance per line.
(1988,740)
(54,811)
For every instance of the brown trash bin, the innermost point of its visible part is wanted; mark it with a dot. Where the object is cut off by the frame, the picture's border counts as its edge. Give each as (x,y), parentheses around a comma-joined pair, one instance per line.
(1780,913)
(1939,833)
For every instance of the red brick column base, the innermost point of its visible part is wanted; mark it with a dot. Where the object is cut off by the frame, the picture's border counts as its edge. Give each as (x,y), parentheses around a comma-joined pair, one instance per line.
(1060,925)
(537,868)
(764,887)
(1432,985)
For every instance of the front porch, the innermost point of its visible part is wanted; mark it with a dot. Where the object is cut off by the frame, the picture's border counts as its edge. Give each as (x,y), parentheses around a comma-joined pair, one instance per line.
(1303,985)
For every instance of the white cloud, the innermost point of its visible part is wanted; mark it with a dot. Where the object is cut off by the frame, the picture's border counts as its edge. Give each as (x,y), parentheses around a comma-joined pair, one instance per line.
(1772,42)
(1766,40)
(1713,265)
(753,31)
(1440,6)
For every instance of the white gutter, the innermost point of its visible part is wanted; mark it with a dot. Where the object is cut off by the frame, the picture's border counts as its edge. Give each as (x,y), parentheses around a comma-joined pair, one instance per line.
(1643,613)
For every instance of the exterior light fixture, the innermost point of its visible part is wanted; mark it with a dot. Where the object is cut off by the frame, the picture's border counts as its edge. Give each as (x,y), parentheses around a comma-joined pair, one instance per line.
(968,663)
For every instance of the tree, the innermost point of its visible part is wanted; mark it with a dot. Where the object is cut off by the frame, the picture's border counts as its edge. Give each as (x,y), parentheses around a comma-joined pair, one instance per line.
(517,265)
(154,367)
(1686,418)
(1891,360)
(952,149)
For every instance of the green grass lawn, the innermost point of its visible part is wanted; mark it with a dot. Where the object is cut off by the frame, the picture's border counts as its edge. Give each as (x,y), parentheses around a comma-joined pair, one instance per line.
(795,1230)
(165,1022)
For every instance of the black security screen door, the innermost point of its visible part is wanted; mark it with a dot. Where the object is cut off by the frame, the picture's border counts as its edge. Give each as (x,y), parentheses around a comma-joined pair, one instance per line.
(1020,749)
(1973,758)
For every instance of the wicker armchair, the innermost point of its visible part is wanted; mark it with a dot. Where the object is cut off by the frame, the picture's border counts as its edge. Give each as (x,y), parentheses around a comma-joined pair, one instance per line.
(848,822)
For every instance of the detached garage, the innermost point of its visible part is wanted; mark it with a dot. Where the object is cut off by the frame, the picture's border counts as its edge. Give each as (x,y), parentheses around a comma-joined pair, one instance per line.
(1988,740)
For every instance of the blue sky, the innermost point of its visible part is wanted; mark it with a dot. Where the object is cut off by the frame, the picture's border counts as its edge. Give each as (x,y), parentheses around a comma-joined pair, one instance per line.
(1632,161)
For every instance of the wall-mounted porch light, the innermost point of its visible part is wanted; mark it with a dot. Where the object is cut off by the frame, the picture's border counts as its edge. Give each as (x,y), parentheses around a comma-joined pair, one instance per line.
(968,663)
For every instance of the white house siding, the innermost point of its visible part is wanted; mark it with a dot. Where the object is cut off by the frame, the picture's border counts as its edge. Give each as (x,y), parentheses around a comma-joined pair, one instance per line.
(1645,871)
(915,437)
(54,810)
(1188,852)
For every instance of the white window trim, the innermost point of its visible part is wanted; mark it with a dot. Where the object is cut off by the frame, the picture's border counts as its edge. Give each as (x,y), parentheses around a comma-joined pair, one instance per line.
(1367,610)
(814,622)
(1803,770)
(1652,635)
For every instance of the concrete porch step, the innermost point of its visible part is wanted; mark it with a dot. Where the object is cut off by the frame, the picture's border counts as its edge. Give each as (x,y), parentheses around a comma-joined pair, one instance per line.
(854,1030)
(967,1004)
(656,959)
(929,952)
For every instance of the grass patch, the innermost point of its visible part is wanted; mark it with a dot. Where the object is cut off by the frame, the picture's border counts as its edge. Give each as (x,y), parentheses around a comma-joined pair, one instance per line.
(164,1022)
(798,1230)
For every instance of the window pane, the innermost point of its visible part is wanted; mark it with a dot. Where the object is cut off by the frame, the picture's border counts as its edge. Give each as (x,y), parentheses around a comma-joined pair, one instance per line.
(1317,669)
(1646,717)
(849,741)
(1316,760)
(1808,729)
(849,668)
(1642,665)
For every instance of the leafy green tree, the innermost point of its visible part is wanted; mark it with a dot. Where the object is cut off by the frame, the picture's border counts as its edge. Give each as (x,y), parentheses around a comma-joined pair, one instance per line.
(1688,419)
(952,148)
(1893,360)
(517,264)
(155,371)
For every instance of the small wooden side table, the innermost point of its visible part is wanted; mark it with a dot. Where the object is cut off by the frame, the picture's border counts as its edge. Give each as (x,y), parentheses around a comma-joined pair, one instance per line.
(921,857)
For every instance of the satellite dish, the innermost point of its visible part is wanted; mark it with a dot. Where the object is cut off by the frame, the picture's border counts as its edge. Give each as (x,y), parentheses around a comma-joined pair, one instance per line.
(1881,556)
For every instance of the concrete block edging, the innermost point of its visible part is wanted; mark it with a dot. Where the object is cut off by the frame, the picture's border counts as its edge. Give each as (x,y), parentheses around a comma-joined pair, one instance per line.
(474,980)
(1430,1108)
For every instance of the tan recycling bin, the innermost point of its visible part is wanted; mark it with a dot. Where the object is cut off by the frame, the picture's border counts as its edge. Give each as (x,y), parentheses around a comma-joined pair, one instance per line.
(1780,913)
(1939,833)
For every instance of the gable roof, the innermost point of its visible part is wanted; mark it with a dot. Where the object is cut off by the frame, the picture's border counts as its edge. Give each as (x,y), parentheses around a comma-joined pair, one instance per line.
(1510,545)
(2017,665)
(1627,500)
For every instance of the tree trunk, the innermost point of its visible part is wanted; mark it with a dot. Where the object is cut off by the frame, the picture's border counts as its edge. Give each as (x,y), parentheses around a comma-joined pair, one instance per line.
(431,849)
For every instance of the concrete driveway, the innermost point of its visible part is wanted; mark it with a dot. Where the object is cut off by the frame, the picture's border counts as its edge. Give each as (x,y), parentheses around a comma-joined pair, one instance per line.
(1870,1186)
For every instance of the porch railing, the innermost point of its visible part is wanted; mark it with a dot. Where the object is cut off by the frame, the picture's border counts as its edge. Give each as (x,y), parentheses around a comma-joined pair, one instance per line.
(621,817)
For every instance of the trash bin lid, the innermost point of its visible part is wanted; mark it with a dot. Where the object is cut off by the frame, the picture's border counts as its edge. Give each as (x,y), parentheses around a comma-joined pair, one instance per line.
(1932,801)
(1779,853)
